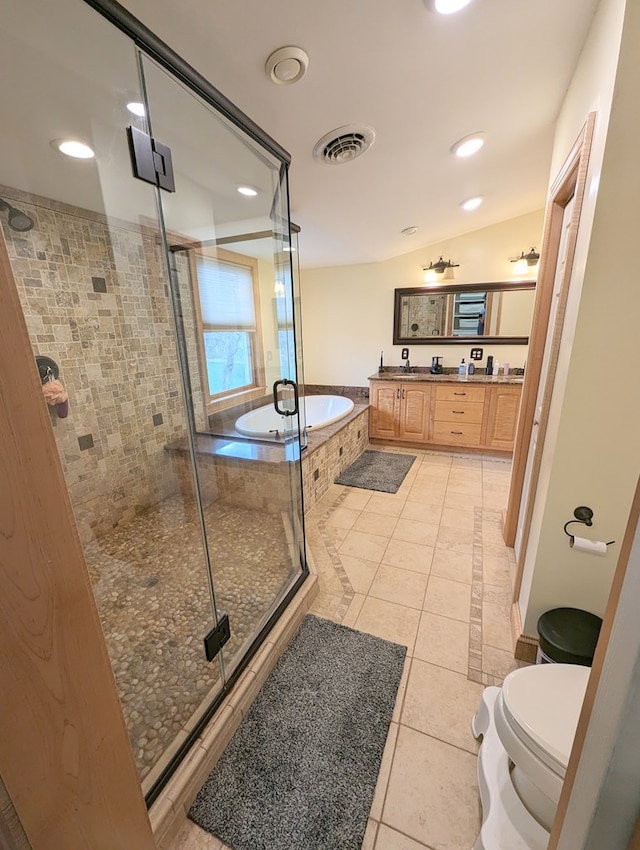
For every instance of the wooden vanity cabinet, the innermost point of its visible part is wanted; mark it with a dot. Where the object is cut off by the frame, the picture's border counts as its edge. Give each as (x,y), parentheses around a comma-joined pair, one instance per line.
(459,415)
(399,411)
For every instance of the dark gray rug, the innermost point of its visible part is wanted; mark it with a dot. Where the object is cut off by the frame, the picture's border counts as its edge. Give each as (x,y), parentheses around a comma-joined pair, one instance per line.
(301,771)
(377,471)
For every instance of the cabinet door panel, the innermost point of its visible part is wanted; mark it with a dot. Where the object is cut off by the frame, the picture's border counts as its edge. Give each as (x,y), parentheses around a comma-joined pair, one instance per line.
(384,410)
(414,416)
(504,406)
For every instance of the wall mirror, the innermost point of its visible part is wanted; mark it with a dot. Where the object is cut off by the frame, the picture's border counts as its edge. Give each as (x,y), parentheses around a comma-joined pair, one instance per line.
(453,313)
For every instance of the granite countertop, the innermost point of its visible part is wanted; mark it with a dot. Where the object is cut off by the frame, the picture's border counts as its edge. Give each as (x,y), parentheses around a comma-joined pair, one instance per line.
(396,374)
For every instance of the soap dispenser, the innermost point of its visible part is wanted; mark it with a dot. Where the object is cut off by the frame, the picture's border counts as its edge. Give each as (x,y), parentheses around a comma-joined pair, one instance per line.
(462,368)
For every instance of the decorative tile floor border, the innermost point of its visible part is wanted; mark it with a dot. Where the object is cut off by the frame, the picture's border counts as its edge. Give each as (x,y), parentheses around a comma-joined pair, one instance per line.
(474,672)
(332,551)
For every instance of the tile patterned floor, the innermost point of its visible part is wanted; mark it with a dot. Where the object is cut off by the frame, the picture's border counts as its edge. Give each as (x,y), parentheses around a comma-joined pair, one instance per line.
(425,567)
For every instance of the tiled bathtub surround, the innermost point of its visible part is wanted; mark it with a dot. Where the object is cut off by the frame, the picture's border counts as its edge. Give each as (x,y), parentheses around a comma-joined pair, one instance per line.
(331,450)
(253,474)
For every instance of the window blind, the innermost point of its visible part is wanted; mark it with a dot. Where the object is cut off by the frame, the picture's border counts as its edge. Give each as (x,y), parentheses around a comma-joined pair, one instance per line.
(226,295)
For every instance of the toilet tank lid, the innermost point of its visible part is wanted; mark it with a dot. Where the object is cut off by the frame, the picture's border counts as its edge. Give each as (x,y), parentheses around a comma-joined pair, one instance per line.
(545,701)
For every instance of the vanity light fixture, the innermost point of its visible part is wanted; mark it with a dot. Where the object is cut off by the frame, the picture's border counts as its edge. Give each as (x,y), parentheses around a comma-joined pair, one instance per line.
(446,7)
(471,203)
(433,270)
(73,148)
(525,261)
(249,191)
(468,145)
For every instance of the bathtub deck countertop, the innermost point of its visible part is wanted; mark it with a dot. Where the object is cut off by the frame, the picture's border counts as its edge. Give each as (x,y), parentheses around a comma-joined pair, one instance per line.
(243,448)
(396,374)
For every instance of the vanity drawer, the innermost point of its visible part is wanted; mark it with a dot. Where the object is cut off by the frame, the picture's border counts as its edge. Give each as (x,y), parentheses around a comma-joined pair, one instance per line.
(459,411)
(453,434)
(460,392)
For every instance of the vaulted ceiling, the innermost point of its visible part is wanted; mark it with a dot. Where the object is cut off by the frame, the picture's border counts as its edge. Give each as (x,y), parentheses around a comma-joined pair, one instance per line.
(420,80)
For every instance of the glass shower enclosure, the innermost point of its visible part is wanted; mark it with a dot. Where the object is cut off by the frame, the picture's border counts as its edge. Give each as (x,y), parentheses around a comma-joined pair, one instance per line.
(155,271)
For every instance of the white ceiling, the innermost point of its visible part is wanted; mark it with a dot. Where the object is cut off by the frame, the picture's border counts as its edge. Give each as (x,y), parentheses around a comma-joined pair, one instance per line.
(421,80)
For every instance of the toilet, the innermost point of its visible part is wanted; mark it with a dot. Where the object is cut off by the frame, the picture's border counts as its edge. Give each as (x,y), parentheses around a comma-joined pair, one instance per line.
(528,726)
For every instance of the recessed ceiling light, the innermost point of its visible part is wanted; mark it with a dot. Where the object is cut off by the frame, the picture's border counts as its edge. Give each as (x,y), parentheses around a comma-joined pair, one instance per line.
(74,148)
(137,108)
(468,145)
(447,7)
(409,231)
(471,203)
(248,191)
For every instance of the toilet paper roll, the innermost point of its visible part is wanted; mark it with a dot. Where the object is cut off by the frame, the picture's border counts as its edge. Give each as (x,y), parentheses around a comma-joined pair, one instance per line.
(594,547)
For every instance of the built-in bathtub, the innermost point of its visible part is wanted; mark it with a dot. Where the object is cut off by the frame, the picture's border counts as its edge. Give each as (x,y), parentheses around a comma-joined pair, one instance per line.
(320,410)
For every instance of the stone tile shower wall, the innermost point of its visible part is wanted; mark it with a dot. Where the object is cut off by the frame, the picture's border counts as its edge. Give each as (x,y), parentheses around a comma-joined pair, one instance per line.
(95,298)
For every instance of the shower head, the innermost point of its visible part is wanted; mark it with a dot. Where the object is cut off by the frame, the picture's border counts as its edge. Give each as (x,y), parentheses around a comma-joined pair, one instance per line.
(17,219)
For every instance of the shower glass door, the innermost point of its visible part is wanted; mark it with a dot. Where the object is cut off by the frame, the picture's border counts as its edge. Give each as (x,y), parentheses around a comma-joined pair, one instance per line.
(146,322)
(228,247)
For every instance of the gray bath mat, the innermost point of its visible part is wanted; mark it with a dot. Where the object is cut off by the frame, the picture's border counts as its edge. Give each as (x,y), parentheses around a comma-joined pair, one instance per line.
(377,471)
(301,771)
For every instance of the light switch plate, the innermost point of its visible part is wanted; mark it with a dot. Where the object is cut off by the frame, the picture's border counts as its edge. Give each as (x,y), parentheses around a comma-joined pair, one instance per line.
(405,354)
(476,353)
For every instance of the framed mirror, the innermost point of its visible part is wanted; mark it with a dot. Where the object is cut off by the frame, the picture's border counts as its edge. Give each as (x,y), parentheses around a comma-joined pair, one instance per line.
(465,312)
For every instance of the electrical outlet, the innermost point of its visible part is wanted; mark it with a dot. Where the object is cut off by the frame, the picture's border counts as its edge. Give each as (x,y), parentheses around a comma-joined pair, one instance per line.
(476,353)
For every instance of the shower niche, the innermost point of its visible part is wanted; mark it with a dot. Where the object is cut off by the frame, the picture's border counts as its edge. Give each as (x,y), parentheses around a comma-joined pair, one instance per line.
(162,294)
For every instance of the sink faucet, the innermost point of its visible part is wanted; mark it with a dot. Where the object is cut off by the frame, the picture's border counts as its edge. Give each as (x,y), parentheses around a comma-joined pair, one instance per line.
(406,367)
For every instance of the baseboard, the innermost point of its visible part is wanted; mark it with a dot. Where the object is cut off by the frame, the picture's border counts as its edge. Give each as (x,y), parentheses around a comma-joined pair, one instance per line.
(169,811)
(526,646)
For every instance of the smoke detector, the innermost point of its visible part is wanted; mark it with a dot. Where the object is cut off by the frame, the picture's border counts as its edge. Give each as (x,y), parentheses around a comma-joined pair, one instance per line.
(344,144)
(287,65)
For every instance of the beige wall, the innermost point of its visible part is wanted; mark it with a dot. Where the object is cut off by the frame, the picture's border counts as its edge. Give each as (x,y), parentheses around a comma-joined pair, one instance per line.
(591,453)
(348,310)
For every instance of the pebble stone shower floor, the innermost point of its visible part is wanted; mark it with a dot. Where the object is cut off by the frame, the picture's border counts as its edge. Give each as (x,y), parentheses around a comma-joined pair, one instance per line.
(150,584)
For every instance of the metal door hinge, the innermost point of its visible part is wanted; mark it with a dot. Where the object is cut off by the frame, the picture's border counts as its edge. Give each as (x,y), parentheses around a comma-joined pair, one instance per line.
(151,160)
(217,637)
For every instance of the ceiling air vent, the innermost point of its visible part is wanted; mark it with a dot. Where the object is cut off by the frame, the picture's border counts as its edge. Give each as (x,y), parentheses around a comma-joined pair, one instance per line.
(344,144)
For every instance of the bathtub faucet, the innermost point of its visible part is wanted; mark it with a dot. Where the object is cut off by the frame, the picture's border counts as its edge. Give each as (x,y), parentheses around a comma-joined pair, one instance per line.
(276,432)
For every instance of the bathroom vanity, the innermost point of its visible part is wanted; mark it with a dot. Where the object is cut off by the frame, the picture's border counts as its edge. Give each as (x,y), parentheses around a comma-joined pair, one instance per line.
(470,412)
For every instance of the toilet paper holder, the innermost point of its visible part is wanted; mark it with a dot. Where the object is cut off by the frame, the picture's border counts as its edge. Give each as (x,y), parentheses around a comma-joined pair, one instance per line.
(584,515)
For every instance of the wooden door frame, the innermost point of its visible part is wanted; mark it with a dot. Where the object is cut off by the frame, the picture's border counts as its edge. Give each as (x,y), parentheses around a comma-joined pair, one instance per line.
(570,182)
(65,757)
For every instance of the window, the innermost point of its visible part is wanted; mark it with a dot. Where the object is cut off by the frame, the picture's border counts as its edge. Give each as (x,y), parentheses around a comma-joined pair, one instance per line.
(227,305)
